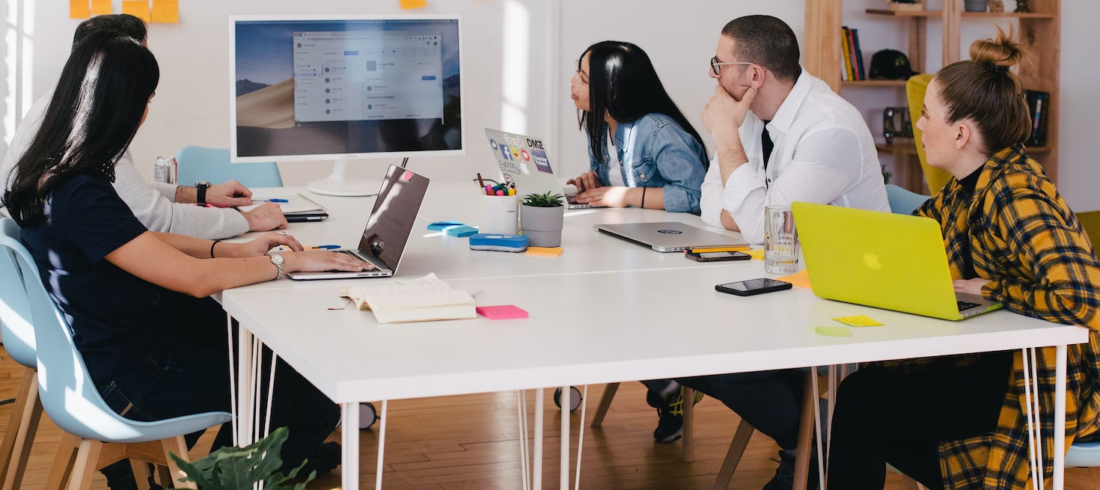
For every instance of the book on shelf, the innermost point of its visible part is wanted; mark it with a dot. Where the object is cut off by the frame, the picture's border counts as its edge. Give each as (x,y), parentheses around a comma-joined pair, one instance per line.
(1039,106)
(417,300)
(848,75)
(858,54)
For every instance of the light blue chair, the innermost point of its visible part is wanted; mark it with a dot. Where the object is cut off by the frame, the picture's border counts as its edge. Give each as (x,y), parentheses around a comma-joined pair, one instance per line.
(212,165)
(72,401)
(18,334)
(903,201)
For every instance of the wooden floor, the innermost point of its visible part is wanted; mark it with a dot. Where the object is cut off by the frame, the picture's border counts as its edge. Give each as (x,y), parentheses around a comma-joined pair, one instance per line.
(471,442)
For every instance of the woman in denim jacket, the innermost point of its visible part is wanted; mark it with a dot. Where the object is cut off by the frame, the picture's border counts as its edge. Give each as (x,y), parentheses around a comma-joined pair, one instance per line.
(657,160)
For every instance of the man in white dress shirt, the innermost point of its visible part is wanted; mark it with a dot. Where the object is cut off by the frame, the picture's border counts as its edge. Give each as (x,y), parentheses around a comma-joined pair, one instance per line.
(160,207)
(782,136)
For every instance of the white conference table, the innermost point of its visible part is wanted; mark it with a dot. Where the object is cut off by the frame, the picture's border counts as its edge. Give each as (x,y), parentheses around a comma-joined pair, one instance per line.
(602,312)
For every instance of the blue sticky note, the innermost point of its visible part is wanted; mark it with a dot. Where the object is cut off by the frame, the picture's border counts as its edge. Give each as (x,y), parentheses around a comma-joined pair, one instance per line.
(442,225)
(461,231)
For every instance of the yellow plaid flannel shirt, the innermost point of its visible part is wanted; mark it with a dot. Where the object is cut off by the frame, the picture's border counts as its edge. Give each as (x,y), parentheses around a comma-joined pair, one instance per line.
(1016,231)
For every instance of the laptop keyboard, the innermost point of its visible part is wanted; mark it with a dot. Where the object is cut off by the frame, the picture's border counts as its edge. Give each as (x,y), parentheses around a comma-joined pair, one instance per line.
(351,253)
(963,305)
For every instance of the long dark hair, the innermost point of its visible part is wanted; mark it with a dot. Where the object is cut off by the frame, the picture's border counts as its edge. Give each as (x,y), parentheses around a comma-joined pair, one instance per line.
(92,118)
(624,84)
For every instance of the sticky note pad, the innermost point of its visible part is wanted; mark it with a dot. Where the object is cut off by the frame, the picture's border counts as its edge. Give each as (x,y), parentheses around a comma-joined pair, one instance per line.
(833,331)
(137,8)
(102,7)
(462,231)
(442,225)
(79,9)
(800,279)
(166,11)
(858,321)
(757,254)
(413,4)
(501,312)
(545,252)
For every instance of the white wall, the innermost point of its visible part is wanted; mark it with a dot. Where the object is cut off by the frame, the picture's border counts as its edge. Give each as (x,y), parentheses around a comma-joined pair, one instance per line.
(191,105)
(680,37)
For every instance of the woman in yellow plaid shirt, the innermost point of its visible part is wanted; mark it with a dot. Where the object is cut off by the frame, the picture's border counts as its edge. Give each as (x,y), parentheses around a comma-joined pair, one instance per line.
(956,422)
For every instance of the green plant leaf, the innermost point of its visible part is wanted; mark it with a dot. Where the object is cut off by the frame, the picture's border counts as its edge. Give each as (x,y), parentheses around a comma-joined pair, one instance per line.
(234,468)
(545,200)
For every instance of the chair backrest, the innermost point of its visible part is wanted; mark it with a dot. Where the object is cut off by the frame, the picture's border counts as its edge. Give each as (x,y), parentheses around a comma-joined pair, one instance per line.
(1090,221)
(212,165)
(903,201)
(15,310)
(65,388)
(915,90)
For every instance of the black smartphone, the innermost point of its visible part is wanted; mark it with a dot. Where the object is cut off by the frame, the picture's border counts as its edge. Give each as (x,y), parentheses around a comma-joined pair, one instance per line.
(752,287)
(717,256)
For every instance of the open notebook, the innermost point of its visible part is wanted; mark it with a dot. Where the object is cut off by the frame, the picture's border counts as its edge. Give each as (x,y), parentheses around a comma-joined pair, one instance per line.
(297,204)
(416,300)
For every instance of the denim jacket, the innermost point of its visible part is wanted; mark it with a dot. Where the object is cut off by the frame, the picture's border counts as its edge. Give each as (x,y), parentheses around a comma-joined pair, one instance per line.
(657,152)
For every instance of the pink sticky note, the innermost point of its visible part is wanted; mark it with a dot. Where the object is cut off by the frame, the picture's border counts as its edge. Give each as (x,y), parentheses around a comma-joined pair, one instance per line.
(501,312)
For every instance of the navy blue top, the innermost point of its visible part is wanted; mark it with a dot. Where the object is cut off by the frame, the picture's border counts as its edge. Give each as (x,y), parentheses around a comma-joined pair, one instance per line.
(116,317)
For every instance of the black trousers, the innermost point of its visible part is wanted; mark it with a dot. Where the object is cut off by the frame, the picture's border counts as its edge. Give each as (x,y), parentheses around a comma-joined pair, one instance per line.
(885,416)
(192,376)
(769,400)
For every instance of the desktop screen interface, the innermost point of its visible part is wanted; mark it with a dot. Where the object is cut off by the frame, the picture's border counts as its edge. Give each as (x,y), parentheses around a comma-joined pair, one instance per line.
(347,86)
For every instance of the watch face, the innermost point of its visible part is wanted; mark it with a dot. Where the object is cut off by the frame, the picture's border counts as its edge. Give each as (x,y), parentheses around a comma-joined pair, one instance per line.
(277,259)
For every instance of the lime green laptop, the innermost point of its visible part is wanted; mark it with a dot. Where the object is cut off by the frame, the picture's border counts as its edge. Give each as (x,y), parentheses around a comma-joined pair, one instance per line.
(890,261)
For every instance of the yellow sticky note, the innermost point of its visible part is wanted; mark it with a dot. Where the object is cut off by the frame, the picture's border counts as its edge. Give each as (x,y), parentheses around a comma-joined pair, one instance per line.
(79,9)
(546,252)
(166,11)
(102,7)
(413,4)
(858,321)
(757,254)
(833,331)
(137,8)
(800,279)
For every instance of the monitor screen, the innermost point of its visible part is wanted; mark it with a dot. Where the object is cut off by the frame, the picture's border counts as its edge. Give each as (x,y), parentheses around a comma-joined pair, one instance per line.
(308,89)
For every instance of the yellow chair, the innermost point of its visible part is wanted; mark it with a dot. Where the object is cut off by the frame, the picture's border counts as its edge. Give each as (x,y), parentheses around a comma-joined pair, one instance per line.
(915,89)
(1090,221)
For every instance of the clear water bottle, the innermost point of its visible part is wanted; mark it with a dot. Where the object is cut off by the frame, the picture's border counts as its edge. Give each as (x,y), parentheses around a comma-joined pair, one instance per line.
(160,170)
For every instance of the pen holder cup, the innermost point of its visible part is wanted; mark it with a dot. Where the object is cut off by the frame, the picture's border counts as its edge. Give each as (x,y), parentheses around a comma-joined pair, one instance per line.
(499,215)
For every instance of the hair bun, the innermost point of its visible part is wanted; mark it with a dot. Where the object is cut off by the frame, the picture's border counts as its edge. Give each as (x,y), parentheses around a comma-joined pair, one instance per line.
(1002,52)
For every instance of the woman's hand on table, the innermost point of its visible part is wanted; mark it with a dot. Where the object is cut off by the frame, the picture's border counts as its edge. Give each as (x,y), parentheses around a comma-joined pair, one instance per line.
(970,286)
(322,261)
(257,247)
(586,182)
(605,197)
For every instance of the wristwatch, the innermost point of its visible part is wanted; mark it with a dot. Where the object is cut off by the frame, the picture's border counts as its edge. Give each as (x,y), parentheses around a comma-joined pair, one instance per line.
(277,259)
(200,196)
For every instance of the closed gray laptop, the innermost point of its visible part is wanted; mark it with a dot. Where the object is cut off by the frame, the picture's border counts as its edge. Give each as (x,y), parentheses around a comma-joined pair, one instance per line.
(388,228)
(669,236)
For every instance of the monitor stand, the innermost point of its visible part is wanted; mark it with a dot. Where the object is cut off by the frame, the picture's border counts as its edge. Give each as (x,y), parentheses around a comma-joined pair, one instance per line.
(337,184)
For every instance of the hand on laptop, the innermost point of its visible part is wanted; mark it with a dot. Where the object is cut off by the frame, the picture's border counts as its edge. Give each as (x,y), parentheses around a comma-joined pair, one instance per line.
(970,286)
(604,197)
(262,245)
(266,217)
(323,261)
(228,194)
(587,181)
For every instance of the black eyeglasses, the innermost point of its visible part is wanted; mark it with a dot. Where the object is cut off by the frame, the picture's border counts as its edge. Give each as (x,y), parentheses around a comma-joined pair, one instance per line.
(716,66)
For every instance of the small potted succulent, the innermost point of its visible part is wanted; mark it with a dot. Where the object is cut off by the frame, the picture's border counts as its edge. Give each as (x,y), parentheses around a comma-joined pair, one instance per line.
(543,217)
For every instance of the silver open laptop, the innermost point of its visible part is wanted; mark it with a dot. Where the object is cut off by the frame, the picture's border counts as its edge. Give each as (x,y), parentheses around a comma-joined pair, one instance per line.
(669,236)
(388,228)
(523,161)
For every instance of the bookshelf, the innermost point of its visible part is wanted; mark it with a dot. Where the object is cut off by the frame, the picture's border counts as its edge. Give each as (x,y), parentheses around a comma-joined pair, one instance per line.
(1040,31)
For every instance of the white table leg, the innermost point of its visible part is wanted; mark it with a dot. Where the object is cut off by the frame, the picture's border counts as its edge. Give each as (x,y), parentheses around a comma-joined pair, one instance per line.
(521,416)
(381,445)
(244,384)
(349,432)
(565,404)
(821,455)
(537,477)
(232,379)
(1060,419)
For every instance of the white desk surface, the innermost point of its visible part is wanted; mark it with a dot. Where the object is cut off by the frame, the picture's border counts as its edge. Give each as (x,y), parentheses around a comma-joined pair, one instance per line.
(451,258)
(596,328)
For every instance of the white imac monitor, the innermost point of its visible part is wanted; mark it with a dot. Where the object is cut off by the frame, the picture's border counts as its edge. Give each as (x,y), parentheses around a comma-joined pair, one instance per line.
(309,88)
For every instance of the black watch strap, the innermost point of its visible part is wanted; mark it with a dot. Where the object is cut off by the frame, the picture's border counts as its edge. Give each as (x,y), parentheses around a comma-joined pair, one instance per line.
(200,194)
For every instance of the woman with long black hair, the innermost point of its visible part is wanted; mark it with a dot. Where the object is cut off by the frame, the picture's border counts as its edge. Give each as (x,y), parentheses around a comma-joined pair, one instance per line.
(137,301)
(655,160)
